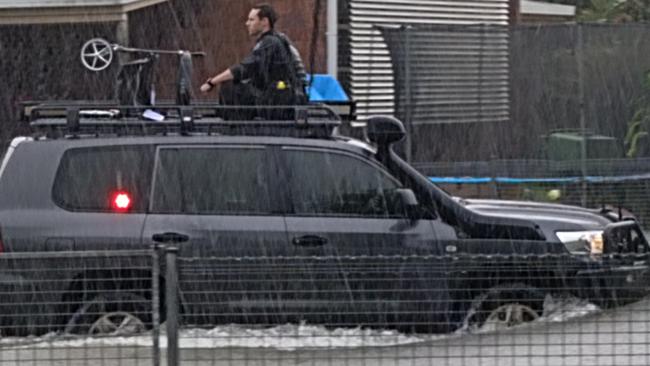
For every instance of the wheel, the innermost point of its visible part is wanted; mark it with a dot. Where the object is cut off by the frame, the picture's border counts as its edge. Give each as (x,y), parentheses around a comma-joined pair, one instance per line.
(509,315)
(96,54)
(117,323)
(121,314)
(504,307)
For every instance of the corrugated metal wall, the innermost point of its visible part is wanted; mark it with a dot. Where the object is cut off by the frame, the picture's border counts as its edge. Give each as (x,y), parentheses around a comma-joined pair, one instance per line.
(449,73)
(476,91)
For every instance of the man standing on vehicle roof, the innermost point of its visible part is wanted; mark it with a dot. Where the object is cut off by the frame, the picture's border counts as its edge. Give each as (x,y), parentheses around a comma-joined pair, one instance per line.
(272,74)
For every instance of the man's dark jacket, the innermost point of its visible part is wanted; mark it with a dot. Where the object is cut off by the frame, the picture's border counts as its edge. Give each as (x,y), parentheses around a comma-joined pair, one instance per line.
(272,60)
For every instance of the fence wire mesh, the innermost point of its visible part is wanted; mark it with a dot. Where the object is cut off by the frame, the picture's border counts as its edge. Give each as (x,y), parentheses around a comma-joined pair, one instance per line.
(75,308)
(538,305)
(612,184)
(519,92)
(414,309)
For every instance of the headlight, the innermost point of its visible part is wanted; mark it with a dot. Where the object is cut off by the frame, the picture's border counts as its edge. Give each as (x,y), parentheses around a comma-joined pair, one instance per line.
(582,241)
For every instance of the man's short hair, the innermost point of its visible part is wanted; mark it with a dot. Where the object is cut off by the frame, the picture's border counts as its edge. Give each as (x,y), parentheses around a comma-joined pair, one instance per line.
(266,11)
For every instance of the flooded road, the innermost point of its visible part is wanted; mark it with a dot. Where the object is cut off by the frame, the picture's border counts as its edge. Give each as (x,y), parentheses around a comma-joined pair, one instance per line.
(578,334)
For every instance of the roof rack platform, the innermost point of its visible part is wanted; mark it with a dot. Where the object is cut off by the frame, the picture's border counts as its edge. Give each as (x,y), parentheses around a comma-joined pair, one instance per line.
(65,118)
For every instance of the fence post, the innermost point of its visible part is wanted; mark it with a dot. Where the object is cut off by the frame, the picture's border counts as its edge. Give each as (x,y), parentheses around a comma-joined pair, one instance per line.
(579,54)
(409,94)
(155,302)
(171,297)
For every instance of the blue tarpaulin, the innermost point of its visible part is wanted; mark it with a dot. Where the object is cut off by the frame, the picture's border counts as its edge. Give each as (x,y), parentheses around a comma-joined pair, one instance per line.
(325,88)
(591,179)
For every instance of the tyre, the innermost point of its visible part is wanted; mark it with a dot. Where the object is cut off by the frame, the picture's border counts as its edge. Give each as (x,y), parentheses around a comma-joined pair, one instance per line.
(504,307)
(122,314)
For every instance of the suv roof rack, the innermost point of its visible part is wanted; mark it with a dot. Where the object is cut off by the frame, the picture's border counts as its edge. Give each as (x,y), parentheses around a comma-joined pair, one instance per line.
(65,119)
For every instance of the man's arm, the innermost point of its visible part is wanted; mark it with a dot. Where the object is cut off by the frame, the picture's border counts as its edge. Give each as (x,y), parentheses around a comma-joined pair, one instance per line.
(214,81)
(248,68)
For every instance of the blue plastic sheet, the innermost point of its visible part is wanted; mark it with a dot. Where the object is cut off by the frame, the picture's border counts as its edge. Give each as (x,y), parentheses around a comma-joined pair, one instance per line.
(325,88)
(507,180)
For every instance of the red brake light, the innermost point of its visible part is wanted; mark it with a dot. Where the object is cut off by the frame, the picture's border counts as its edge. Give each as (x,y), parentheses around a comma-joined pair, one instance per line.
(121,201)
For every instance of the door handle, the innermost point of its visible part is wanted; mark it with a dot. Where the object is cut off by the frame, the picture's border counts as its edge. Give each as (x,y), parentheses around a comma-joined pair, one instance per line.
(309,241)
(170,238)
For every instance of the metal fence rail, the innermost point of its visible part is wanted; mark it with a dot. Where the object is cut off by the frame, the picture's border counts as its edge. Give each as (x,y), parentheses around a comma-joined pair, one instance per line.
(421,307)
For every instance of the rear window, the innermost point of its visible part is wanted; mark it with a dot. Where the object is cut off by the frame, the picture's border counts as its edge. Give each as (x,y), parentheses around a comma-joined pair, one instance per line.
(88,179)
(212,181)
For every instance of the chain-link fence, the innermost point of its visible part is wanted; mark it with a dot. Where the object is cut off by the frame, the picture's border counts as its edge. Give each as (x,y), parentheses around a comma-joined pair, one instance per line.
(612,183)
(521,303)
(547,91)
(51,302)
(574,110)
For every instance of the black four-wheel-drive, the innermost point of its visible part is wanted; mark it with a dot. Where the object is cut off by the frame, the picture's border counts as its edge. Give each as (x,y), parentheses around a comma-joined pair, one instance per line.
(292,221)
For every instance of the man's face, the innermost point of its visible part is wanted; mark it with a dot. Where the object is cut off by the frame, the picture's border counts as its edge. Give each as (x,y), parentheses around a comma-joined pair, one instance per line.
(255,25)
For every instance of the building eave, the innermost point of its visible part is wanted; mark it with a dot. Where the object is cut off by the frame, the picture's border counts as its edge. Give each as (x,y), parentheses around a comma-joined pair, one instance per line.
(89,12)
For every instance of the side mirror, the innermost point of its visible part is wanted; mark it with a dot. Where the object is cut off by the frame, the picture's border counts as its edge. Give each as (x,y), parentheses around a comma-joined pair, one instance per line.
(384,130)
(409,202)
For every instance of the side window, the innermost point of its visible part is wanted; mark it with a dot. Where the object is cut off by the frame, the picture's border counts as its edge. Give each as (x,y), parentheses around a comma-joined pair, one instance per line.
(207,180)
(88,178)
(336,184)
